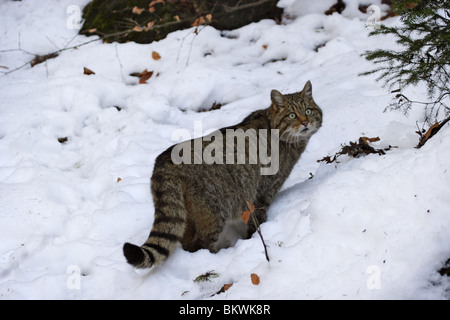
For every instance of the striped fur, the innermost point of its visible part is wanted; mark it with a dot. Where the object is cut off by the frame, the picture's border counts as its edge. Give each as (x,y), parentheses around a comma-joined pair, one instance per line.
(169,224)
(200,205)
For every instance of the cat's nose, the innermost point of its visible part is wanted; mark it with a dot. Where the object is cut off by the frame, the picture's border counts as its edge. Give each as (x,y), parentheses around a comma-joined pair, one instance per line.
(303,120)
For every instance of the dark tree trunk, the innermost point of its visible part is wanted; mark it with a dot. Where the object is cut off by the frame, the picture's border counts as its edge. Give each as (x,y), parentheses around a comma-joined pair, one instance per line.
(144,21)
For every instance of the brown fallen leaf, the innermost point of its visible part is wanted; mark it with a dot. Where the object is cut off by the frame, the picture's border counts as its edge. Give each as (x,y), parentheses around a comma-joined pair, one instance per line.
(227,286)
(198,22)
(144,76)
(366,140)
(224,288)
(246,214)
(430,132)
(87,71)
(255,279)
(156,55)
(357,149)
(137,10)
(155,2)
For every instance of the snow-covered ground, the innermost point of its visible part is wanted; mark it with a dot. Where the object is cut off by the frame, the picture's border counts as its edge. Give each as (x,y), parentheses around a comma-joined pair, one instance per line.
(375,227)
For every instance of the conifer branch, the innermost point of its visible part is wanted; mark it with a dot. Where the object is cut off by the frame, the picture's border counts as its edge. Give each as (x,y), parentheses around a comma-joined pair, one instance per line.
(424,56)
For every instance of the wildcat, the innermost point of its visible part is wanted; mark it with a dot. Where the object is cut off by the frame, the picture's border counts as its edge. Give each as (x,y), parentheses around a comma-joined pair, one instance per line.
(200,205)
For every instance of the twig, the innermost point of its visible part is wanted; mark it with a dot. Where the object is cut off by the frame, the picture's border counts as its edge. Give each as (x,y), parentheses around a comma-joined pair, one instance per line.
(431,132)
(260,235)
(120,64)
(238,6)
(42,58)
(357,149)
(52,42)
(246,216)
(430,107)
(196,33)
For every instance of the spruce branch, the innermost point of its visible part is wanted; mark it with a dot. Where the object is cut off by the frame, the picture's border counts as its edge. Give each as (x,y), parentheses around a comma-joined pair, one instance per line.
(423,57)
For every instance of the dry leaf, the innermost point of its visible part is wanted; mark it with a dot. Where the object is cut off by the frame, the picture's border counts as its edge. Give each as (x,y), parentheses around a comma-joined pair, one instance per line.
(367,140)
(119,179)
(431,132)
(202,20)
(428,133)
(199,21)
(224,288)
(149,25)
(144,76)
(88,71)
(151,9)
(227,286)
(246,214)
(92,30)
(255,279)
(155,55)
(357,149)
(155,2)
(137,10)
(264,46)
(137,29)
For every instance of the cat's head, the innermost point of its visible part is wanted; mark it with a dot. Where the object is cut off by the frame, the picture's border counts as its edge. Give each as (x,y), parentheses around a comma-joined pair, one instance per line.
(296,115)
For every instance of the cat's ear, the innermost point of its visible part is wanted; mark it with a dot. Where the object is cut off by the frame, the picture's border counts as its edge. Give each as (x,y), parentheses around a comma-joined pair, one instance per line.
(277,98)
(307,90)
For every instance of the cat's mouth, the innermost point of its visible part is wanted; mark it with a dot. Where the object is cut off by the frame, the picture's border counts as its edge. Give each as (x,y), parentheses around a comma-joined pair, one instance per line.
(294,134)
(303,130)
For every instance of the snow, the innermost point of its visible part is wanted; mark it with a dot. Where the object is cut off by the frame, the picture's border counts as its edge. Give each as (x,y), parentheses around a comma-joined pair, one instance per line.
(374,227)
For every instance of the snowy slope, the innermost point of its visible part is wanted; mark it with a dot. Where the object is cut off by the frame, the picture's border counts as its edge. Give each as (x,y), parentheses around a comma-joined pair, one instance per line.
(375,227)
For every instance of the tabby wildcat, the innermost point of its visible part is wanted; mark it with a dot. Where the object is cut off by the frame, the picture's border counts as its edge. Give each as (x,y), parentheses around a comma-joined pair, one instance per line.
(200,205)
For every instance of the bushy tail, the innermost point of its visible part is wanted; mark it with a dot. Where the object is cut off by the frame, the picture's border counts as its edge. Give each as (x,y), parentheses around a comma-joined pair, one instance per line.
(168,228)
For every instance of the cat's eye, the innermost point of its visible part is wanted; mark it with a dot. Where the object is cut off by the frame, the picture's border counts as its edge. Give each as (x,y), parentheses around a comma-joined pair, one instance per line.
(292,115)
(308,112)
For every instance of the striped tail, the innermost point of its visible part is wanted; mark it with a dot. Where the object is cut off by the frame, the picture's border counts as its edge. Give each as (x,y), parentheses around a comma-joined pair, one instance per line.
(168,228)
